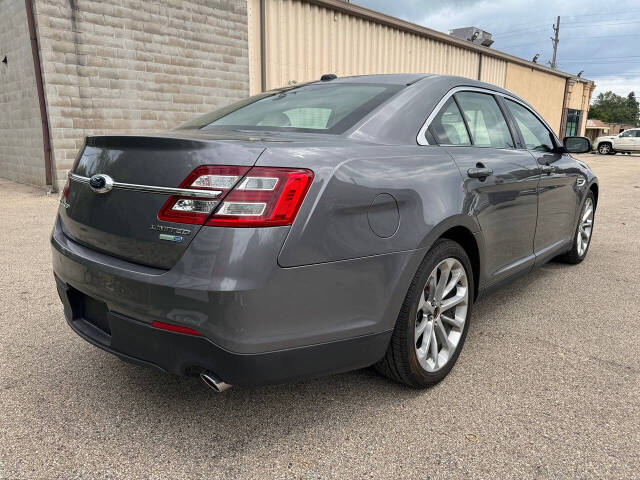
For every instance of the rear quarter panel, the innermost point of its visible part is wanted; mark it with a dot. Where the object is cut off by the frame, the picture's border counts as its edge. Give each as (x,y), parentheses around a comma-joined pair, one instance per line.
(405,193)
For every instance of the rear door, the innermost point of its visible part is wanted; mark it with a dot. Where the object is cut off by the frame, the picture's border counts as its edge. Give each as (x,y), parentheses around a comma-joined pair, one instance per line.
(500,180)
(557,188)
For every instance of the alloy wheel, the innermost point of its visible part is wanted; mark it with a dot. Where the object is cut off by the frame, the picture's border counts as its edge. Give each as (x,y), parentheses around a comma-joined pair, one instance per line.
(604,149)
(585,227)
(442,314)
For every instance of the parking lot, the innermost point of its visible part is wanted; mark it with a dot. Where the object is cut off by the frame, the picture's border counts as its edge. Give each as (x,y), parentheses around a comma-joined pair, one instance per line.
(547,386)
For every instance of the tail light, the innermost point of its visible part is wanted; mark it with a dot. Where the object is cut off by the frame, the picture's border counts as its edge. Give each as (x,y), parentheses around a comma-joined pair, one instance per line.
(256,197)
(65,191)
(182,209)
(264,197)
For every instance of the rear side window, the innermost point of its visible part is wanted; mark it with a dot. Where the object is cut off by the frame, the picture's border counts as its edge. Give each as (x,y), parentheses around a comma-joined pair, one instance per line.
(323,108)
(486,123)
(448,126)
(536,135)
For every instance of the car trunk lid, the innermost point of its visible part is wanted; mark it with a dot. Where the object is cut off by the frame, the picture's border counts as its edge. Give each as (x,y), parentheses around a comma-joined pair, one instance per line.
(123,221)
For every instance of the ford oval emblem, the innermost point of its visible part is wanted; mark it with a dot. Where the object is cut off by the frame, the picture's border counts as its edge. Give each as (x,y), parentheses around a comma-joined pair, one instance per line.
(101,183)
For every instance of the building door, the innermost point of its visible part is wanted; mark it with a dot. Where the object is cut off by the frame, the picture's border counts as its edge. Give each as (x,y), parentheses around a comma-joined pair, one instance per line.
(573,122)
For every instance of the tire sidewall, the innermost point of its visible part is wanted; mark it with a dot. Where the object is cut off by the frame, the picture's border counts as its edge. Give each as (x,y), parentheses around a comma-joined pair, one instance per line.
(604,153)
(578,257)
(440,251)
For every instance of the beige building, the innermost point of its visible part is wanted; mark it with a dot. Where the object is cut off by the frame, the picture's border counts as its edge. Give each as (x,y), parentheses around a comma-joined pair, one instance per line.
(84,67)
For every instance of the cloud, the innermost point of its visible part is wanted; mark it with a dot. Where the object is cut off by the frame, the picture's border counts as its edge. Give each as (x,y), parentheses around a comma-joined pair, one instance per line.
(599,37)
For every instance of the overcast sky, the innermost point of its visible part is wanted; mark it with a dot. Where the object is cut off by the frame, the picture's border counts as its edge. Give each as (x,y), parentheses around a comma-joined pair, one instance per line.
(600,37)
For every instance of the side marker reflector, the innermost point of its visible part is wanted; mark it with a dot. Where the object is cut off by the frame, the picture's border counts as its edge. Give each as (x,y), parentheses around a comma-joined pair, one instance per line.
(175,328)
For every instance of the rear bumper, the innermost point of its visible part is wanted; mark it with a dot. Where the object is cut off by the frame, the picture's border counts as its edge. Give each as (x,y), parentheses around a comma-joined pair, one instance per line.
(188,355)
(261,323)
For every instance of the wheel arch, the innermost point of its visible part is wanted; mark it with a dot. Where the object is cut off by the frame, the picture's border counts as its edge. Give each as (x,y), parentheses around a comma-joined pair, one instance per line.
(465,230)
(467,240)
(594,189)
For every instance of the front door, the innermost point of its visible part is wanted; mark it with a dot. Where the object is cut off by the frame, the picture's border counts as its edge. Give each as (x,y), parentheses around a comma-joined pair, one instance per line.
(557,187)
(625,141)
(500,180)
(635,141)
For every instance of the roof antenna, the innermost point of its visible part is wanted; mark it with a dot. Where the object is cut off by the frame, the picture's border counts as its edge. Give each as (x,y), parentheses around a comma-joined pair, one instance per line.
(328,76)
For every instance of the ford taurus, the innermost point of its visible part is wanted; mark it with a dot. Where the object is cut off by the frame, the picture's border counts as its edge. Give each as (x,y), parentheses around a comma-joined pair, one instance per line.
(317,229)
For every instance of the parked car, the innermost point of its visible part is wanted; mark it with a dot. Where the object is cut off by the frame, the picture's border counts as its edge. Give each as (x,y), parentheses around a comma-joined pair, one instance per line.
(625,142)
(317,229)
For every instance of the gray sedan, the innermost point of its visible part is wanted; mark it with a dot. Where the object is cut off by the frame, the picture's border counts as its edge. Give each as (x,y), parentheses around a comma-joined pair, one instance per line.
(316,229)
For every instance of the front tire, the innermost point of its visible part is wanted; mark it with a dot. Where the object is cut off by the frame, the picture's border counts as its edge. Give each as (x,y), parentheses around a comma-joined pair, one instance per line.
(434,319)
(605,149)
(584,231)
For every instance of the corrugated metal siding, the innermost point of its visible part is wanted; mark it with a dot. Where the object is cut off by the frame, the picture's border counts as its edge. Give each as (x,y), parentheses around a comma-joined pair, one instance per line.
(304,41)
(494,70)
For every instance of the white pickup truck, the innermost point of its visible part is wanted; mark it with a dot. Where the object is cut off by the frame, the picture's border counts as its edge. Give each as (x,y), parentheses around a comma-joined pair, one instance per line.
(627,141)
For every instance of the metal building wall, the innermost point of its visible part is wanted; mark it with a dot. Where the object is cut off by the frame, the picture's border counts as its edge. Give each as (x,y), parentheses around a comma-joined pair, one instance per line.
(307,38)
(304,40)
(494,71)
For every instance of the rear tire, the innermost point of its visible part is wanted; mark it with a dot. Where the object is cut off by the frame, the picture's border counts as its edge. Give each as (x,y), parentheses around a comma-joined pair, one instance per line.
(585,225)
(410,358)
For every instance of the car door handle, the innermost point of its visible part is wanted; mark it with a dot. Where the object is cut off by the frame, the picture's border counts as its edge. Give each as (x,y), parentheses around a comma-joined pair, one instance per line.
(548,169)
(479,172)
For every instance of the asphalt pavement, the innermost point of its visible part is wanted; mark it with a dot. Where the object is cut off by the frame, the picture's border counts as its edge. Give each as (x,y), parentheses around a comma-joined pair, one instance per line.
(547,386)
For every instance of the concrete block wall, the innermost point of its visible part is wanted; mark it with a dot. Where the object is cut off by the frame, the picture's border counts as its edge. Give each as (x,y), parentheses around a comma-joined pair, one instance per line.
(136,66)
(21,149)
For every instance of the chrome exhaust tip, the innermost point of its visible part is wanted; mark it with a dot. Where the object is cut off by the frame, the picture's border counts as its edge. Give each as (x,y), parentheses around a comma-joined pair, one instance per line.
(213,382)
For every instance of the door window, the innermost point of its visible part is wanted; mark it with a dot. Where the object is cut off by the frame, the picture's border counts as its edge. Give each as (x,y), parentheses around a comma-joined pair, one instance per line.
(536,135)
(486,123)
(628,133)
(448,126)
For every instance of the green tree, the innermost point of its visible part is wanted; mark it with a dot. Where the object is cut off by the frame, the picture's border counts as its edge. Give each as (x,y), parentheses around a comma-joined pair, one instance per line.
(612,108)
(634,108)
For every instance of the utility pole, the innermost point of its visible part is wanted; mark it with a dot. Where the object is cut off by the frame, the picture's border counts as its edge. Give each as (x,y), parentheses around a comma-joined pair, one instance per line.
(555,40)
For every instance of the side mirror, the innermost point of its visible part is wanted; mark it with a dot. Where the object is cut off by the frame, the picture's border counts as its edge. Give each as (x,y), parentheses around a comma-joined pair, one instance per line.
(577,144)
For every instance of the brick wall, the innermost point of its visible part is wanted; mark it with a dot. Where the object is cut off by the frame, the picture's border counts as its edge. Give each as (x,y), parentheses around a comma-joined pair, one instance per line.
(133,66)
(21,150)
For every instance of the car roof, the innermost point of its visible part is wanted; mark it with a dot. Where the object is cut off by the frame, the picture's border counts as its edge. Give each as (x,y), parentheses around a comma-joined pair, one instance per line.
(386,78)
(436,81)
(399,119)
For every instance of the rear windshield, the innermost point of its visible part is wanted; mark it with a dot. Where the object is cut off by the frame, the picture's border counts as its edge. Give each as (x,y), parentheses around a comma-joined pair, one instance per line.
(310,108)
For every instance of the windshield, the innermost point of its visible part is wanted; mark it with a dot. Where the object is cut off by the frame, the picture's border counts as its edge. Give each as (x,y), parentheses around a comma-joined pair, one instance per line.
(309,108)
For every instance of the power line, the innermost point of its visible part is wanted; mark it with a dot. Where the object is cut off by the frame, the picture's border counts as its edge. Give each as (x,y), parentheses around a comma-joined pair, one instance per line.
(607,58)
(606,23)
(614,75)
(583,62)
(572,38)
